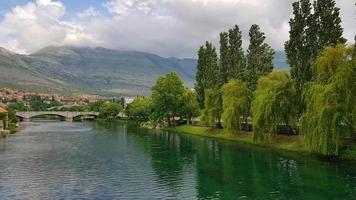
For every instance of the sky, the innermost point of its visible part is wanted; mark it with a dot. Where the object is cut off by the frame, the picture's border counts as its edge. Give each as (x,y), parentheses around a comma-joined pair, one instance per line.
(165,27)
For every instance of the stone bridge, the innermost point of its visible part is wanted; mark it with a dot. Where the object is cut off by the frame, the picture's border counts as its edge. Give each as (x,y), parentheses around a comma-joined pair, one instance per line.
(68,116)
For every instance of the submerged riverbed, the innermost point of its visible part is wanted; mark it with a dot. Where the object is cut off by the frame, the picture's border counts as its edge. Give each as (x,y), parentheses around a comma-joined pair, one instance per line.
(62,160)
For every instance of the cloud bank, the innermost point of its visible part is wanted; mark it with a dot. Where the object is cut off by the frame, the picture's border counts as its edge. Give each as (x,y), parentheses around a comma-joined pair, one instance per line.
(166,27)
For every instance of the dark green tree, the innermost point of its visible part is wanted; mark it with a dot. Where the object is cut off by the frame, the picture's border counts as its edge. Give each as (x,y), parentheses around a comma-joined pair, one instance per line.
(207,75)
(259,57)
(237,60)
(309,33)
(299,48)
(328,23)
(224,58)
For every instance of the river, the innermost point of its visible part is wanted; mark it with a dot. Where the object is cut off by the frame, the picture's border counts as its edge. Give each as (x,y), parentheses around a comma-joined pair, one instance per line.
(62,160)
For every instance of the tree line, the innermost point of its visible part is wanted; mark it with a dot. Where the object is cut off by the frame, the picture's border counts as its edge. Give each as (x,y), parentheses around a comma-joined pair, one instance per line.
(236,89)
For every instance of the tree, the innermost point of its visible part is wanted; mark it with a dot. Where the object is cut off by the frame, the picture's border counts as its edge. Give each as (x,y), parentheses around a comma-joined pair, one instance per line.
(140,109)
(331,105)
(273,105)
(300,48)
(328,23)
(95,107)
(237,59)
(110,110)
(212,111)
(259,57)
(235,104)
(309,34)
(224,58)
(189,107)
(207,75)
(167,97)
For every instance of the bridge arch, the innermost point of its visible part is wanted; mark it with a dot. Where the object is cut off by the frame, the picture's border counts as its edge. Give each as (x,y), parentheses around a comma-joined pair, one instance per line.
(68,116)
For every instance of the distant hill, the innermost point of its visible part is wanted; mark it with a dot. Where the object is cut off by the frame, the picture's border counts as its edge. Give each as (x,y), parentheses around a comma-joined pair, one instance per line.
(66,69)
(280,60)
(92,70)
(16,72)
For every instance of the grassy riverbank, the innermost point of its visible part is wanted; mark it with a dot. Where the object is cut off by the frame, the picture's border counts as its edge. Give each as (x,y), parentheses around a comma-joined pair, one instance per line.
(282,142)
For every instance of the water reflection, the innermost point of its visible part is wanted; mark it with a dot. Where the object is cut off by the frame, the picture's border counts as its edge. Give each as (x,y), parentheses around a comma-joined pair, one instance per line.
(225,170)
(60,160)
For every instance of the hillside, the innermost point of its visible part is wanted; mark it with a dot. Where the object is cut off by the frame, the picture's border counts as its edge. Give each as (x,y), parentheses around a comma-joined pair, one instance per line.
(100,71)
(16,72)
(91,70)
(280,60)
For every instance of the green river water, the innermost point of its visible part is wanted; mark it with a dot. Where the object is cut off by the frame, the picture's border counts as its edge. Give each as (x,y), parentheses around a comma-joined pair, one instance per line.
(62,160)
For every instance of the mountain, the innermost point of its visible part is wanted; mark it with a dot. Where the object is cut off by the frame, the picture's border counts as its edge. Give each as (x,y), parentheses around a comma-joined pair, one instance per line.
(15,72)
(91,70)
(67,69)
(280,60)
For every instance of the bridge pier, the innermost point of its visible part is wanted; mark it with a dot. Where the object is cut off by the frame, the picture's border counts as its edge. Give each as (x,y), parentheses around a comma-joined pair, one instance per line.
(69,119)
(26,119)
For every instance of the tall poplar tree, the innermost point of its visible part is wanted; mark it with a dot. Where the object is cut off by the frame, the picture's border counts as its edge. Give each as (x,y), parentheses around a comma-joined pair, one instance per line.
(259,57)
(310,32)
(224,57)
(207,76)
(237,59)
(298,47)
(328,22)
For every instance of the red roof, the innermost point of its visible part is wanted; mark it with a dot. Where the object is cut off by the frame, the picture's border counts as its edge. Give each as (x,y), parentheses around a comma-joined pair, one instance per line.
(2,110)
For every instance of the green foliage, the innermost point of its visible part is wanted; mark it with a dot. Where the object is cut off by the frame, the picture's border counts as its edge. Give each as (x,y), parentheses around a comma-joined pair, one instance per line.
(274,104)
(37,104)
(166,97)
(300,48)
(189,106)
(10,119)
(18,106)
(140,109)
(224,58)
(331,107)
(259,57)
(207,75)
(328,23)
(237,60)
(76,108)
(235,104)
(309,33)
(110,110)
(212,111)
(95,107)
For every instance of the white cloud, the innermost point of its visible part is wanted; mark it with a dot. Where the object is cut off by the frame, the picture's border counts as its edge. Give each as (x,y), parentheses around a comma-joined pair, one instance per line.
(90,12)
(36,25)
(126,7)
(166,27)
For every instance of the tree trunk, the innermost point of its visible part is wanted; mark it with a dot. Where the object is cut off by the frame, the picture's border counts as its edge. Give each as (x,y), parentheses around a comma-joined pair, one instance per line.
(246,124)
(218,124)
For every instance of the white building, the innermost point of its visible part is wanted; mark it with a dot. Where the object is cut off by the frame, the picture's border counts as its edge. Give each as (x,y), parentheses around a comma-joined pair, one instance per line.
(128,100)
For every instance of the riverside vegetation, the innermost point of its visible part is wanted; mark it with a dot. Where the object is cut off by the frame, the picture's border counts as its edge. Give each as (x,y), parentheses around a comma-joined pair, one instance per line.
(240,97)
(312,108)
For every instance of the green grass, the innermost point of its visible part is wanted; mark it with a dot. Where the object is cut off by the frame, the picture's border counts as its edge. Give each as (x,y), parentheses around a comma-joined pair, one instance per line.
(281,142)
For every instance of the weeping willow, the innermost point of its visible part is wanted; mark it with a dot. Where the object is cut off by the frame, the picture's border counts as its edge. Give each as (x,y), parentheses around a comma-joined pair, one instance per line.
(273,104)
(331,101)
(235,104)
(212,111)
